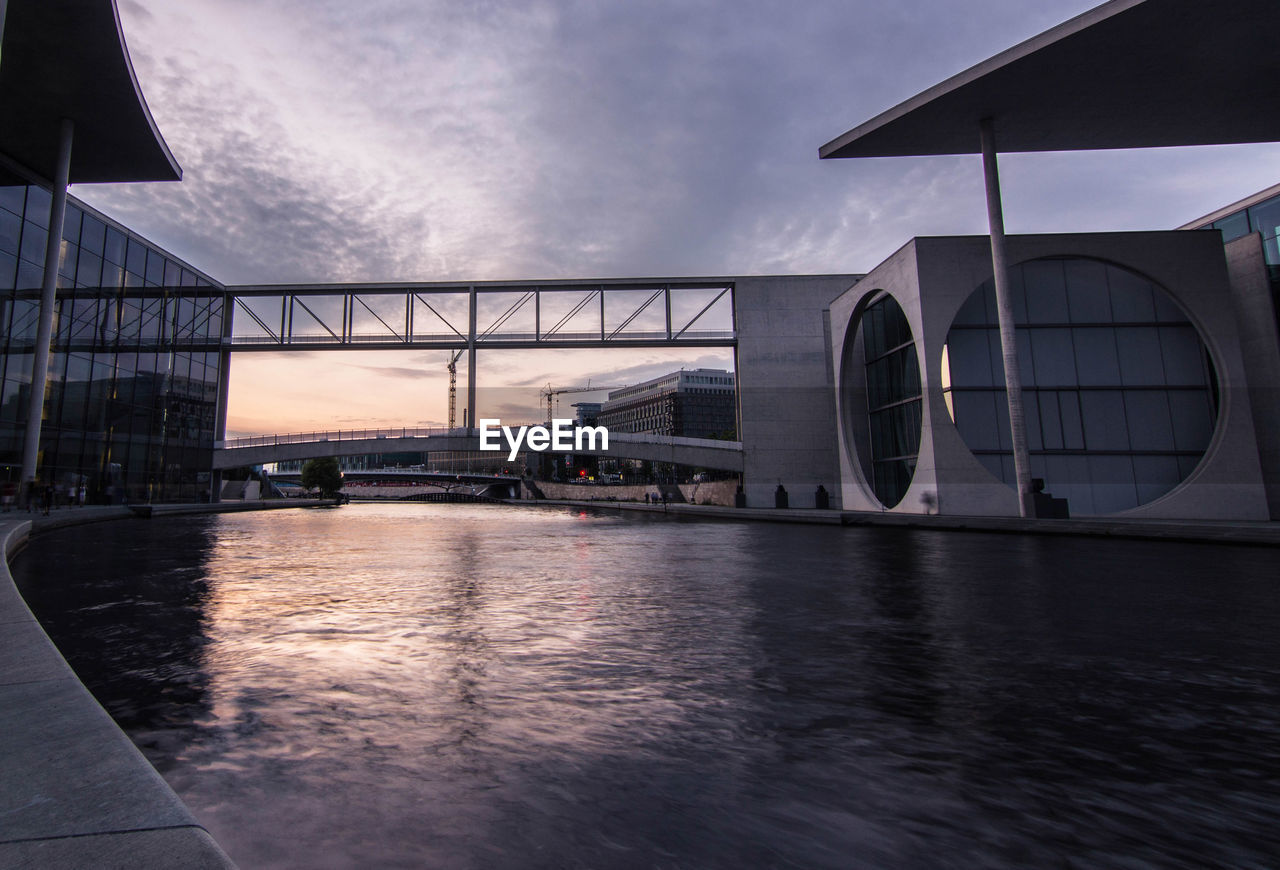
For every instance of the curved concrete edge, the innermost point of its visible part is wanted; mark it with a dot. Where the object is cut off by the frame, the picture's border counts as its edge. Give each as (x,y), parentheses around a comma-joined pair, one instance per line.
(1261,533)
(74,791)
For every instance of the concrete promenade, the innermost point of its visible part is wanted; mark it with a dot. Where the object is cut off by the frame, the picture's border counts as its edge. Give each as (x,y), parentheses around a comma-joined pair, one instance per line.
(1255,533)
(74,791)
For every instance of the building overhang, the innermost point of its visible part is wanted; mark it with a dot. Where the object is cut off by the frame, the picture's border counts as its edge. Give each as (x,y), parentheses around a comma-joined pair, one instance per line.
(68,59)
(1126,74)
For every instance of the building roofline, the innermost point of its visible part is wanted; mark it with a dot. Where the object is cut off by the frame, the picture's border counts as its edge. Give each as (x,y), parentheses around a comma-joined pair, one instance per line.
(1240,205)
(1126,74)
(67,59)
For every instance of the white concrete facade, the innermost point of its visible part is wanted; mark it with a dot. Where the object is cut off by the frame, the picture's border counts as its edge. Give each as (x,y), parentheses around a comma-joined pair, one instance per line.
(931,278)
(786,387)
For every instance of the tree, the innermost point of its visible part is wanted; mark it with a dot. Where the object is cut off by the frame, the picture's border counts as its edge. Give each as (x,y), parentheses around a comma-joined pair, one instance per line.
(323,474)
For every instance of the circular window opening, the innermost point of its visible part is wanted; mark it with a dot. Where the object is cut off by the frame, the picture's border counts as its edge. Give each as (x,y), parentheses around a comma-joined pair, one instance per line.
(1119,393)
(882,398)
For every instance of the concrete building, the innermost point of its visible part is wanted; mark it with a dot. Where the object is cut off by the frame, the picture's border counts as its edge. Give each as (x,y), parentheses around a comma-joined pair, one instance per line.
(1133,379)
(699,403)
(1132,373)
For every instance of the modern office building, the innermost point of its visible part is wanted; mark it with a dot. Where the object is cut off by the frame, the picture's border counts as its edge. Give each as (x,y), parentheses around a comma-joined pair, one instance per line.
(130,402)
(1130,373)
(586,413)
(699,403)
(1257,214)
(1133,380)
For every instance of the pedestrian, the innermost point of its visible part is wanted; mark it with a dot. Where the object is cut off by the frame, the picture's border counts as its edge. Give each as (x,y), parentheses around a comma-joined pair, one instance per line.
(48,497)
(84,492)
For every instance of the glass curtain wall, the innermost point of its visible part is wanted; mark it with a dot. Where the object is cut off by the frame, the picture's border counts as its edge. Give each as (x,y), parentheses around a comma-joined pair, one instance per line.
(1264,218)
(1118,391)
(133,376)
(893,398)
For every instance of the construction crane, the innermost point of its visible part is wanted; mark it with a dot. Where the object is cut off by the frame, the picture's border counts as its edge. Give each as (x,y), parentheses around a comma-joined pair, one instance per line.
(453,361)
(453,389)
(550,393)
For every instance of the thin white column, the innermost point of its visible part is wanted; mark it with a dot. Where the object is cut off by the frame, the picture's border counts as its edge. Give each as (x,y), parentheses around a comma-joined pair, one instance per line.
(44,331)
(1004,312)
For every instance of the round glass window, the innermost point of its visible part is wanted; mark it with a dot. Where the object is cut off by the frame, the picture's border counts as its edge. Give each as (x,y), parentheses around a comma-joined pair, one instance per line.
(1119,393)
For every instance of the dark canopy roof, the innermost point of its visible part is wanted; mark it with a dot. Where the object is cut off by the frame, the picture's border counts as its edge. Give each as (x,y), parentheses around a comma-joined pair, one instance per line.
(1127,74)
(67,59)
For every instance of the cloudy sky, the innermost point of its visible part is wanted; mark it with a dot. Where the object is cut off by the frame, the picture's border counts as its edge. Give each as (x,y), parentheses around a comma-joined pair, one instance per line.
(426,140)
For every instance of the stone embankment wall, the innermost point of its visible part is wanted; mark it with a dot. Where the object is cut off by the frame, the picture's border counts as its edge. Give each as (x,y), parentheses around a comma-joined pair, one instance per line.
(715,492)
(74,791)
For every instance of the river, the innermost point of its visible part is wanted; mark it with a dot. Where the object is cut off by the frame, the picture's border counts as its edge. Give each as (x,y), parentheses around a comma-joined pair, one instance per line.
(476,686)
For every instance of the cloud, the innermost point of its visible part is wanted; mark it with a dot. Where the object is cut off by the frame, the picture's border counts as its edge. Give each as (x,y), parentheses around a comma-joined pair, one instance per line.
(429,140)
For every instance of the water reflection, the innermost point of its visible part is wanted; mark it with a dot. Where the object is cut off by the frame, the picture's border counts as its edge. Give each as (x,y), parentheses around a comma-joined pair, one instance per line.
(127,606)
(467,686)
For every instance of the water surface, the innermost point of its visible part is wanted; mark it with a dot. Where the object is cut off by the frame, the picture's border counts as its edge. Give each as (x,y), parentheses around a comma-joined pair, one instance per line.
(482,686)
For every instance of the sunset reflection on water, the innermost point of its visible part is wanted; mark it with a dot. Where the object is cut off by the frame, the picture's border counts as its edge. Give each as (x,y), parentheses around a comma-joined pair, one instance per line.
(487,686)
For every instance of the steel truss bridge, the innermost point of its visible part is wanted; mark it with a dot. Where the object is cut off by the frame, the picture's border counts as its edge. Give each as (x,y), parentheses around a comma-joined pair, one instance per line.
(489,315)
(573,314)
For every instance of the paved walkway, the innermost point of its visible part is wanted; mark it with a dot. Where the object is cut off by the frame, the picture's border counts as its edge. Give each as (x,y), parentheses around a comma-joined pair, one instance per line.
(1257,533)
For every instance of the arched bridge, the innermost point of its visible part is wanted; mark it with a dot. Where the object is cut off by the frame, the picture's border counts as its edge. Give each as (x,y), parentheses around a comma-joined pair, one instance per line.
(263,449)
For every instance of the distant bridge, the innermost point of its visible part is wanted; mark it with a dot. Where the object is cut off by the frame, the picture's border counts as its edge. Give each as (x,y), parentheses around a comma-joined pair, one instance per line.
(263,449)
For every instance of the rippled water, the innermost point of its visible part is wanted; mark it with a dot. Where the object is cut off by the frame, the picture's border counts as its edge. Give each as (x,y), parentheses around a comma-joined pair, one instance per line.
(499,687)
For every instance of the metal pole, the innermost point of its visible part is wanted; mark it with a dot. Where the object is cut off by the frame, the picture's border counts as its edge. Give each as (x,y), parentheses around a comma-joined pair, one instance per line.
(471,363)
(224,389)
(1004,311)
(48,301)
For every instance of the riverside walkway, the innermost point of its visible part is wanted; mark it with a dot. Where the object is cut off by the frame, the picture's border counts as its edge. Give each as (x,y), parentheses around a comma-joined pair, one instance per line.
(1256,533)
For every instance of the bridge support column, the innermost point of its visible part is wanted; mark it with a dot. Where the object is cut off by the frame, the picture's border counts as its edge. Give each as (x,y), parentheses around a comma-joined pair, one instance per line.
(471,363)
(224,391)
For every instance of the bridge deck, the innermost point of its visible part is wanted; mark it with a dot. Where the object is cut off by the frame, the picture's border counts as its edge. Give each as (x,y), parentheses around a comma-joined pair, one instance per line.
(260,450)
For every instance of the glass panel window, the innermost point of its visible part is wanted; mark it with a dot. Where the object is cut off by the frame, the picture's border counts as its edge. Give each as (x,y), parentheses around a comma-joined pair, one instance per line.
(39,201)
(1046,285)
(1147,413)
(136,258)
(1233,226)
(1265,217)
(155,268)
(1139,352)
(92,234)
(71,224)
(114,249)
(892,379)
(34,239)
(13,198)
(1123,331)
(10,232)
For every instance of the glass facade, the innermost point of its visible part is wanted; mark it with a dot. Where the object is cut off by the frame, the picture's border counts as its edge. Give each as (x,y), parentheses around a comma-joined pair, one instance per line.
(133,375)
(701,403)
(1119,393)
(1264,218)
(893,398)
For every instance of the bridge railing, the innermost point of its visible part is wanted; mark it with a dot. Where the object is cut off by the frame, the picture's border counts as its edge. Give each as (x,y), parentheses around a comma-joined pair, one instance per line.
(334,435)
